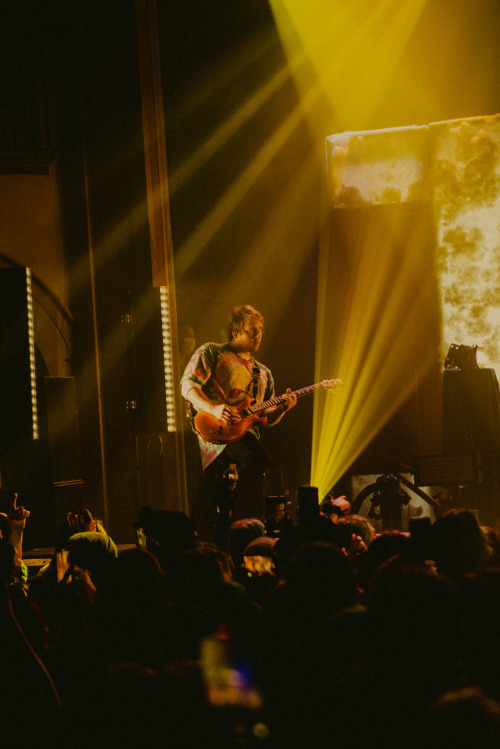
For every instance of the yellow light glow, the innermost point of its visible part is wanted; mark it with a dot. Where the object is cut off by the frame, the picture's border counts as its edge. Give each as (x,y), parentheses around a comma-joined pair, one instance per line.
(373,335)
(375,320)
(353,48)
(213,85)
(390,261)
(281,247)
(233,197)
(331,76)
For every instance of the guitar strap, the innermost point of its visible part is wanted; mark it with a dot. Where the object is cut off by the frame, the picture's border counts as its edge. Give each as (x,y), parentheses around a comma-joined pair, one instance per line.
(255,379)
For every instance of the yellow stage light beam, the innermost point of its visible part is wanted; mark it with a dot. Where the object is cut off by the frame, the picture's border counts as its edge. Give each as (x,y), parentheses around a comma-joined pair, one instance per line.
(354,49)
(272,264)
(236,115)
(213,81)
(106,249)
(378,342)
(206,229)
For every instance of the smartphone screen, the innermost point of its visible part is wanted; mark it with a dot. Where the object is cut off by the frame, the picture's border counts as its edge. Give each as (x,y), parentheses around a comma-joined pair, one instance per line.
(228,683)
(62,564)
(140,536)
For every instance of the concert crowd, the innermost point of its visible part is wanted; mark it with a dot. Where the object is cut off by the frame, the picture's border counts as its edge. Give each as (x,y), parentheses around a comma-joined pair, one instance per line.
(315,632)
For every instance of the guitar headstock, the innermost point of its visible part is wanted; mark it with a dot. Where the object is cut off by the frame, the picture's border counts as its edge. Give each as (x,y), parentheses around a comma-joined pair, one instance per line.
(331,384)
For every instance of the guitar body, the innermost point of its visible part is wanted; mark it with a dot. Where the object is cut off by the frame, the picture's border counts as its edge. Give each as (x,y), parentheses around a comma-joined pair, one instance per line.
(216,430)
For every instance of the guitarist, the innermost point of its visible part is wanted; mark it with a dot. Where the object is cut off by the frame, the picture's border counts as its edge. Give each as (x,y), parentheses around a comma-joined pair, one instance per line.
(216,380)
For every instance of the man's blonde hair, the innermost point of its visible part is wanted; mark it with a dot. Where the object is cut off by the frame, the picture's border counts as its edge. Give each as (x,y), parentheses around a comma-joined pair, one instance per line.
(238,319)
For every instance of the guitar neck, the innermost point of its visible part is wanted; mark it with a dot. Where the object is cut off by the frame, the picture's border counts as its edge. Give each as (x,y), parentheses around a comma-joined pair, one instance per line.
(280,399)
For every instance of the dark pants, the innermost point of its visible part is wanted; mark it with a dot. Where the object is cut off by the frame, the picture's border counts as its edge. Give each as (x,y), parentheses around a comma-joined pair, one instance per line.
(216,504)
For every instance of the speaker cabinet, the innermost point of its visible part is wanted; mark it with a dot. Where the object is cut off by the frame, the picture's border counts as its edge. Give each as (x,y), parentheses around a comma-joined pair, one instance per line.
(471,412)
(59,427)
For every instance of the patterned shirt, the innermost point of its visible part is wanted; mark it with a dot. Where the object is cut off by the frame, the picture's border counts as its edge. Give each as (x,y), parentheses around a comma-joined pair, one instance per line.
(215,364)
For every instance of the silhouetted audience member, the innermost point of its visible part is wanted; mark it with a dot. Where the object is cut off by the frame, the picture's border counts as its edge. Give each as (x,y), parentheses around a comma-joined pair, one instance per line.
(30,705)
(482,591)
(12,526)
(317,528)
(27,614)
(43,586)
(14,574)
(385,546)
(319,583)
(200,580)
(336,655)
(258,571)
(92,552)
(241,532)
(357,525)
(132,706)
(168,532)
(462,719)
(91,556)
(459,544)
(128,616)
(412,652)
(259,556)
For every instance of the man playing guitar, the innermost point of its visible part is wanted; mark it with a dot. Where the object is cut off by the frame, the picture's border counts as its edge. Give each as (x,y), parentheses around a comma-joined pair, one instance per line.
(218,381)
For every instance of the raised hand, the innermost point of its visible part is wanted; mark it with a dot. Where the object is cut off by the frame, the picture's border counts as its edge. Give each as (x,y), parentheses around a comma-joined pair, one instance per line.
(16,517)
(82,521)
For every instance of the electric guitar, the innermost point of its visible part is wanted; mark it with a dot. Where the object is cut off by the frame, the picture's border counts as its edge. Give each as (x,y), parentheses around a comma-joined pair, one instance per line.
(217,431)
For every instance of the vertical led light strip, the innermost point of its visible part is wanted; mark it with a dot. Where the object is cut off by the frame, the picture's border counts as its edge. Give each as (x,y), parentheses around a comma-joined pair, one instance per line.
(31,344)
(167,360)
